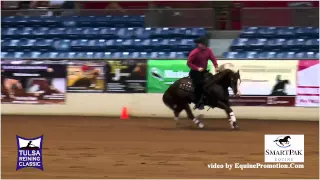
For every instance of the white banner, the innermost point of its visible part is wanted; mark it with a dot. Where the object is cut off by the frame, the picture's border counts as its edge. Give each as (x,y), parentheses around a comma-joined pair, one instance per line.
(308,83)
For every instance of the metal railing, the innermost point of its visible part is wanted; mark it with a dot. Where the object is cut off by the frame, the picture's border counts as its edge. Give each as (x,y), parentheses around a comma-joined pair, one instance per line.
(304,16)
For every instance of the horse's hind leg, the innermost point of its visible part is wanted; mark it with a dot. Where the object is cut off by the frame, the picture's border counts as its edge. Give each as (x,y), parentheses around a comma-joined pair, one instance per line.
(230,113)
(191,116)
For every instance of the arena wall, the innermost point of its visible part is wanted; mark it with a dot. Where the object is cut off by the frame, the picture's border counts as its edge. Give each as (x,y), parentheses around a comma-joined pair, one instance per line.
(149,105)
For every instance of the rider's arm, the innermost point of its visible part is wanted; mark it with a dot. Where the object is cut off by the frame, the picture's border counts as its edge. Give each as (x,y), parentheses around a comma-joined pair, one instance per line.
(191,60)
(213,58)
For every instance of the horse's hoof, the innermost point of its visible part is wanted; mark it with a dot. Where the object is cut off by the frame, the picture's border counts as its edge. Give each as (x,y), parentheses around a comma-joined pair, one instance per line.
(235,126)
(200,125)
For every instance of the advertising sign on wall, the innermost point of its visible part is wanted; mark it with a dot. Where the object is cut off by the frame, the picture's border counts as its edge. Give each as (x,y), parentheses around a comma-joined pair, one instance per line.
(126,76)
(33,84)
(86,76)
(163,73)
(308,83)
(265,82)
(265,77)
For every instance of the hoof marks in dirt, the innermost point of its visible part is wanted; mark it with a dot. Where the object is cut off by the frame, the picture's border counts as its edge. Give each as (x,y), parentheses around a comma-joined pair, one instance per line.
(88,155)
(168,164)
(77,167)
(119,164)
(142,155)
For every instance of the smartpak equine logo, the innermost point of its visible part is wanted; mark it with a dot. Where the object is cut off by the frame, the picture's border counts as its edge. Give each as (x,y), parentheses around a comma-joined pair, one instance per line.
(29,152)
(284,148)
(283,142)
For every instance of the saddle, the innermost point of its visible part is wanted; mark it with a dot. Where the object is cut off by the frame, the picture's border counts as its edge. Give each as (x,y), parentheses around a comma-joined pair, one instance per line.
(187,86)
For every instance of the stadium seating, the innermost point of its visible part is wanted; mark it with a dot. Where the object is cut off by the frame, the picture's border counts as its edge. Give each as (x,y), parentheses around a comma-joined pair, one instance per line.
(275,42)
(92,37)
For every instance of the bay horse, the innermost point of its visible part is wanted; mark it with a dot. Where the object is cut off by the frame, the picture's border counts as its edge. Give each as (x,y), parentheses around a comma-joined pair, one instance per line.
(181,93)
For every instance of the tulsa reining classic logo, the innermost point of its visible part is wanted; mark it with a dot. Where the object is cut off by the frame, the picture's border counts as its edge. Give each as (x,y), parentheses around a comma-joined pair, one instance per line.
(29,152)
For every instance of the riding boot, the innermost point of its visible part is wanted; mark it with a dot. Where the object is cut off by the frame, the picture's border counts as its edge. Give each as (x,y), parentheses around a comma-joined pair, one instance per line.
(200,104)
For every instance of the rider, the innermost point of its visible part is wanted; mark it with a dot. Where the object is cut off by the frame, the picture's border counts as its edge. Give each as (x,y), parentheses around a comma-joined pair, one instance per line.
(198,61)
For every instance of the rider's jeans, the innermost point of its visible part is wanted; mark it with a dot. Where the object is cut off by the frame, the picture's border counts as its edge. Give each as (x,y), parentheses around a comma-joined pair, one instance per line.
(197,79)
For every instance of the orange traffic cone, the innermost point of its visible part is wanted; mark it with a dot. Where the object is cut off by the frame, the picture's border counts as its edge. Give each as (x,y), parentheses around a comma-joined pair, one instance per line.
(124,113)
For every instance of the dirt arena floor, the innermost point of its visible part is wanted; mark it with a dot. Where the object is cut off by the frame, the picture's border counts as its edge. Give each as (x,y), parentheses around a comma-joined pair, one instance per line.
(99,147)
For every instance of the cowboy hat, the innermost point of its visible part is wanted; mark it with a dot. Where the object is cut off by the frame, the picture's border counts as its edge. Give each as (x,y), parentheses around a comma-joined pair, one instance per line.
(202,40)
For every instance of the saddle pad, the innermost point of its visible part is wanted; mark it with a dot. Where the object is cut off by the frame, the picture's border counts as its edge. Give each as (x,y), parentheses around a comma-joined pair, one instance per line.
(186,85)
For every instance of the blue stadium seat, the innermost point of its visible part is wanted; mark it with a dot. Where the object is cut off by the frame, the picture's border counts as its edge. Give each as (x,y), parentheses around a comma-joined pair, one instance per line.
(9,55)
(230,55)
(22,55)
(185,45)
(57,33)
(267,55)
(126,33)
(9,32)
(129,45)
(285,55)
(25,32)
(44,45)
(61,45)
(40,32)
(108,33)
(161,32)
(155,45)
(177,55)
(267,32)
(91,36)
(239,44)
(312,44)
(257,44)
(143,33)
(111,46)
(169,45)
(159,55)
(5,44)
(249,32)
(34,54)
(144,55)
(4,55)
(52,21)
(90,33)
(306,55)
(295,45)
(285,32)
(13,45)
(275,44)
(251,55)
(179,32)
(73,33)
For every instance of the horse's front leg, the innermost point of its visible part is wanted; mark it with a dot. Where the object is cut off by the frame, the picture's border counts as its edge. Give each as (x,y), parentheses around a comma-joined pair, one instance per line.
(230,114)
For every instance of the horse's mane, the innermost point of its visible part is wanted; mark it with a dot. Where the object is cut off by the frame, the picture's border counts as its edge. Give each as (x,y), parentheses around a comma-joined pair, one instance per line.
(222,74)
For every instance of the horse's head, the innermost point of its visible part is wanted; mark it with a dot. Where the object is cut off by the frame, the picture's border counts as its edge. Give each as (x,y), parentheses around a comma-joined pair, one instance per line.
(287,137)
(235,81)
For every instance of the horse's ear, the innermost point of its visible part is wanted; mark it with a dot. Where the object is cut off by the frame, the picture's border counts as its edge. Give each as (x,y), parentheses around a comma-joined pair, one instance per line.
(238,72)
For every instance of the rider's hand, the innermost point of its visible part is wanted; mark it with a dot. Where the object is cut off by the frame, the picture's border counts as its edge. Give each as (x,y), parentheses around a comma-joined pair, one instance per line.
(217,69)
(200,69)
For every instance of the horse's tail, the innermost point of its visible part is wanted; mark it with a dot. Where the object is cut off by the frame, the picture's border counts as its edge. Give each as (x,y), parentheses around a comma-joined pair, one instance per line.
(275,140)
